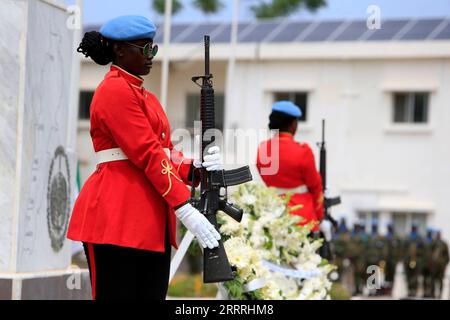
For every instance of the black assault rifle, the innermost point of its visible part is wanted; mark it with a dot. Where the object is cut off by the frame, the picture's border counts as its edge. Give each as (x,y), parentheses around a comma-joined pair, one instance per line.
(328,202)
(216,267)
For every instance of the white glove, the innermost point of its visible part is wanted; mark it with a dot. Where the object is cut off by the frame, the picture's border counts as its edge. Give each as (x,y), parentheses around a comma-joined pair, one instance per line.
(197,223)
(325,227)
(211,161)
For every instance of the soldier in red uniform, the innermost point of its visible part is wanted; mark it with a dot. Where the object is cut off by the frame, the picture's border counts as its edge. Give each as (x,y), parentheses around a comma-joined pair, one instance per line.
(297,173)
(125,212)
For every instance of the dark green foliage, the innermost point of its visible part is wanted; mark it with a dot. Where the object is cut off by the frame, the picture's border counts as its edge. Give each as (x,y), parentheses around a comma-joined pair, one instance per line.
(208,6)
(160,5)
(282,8)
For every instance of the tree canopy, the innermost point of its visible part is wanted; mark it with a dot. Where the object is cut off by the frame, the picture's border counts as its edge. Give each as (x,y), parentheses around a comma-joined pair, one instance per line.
(262,10)
(206,6)
(282,8)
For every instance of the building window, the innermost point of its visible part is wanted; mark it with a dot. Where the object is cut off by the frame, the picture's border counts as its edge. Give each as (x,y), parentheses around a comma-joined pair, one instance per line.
(299,98)
(85,103)
(403,222)
(411,107)
(193,110)
(400,224)
(368,219)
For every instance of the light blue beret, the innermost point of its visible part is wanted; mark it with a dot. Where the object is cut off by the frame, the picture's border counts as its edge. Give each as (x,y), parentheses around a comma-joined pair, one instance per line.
(128,28)
(288,108)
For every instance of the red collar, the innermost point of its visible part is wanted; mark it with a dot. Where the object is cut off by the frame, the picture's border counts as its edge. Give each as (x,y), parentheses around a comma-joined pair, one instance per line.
(284,136)
(134,80)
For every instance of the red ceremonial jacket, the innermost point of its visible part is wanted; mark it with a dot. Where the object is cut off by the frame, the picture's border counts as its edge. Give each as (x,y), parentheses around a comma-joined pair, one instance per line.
(296,168)
(129,202)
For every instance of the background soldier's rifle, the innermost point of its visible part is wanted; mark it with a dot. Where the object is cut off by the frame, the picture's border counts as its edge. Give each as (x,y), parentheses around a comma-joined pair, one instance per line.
(325,250)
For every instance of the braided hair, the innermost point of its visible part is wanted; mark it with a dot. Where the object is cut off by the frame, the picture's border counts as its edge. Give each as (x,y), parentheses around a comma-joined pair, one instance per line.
(97,47)
(280,121)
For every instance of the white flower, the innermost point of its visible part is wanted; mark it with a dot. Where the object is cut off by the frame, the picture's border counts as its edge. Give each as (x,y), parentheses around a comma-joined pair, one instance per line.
(230,226)
(287,285)
(248,199)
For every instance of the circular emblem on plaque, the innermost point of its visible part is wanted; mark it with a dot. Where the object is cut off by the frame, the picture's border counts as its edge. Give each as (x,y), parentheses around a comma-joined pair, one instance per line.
(58,198)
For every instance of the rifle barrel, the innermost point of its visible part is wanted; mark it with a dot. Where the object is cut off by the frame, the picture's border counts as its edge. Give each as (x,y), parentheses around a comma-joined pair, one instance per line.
(216,267)
(323,131)
(323,158)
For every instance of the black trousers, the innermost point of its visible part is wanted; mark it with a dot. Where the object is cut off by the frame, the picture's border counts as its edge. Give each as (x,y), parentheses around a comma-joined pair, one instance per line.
(119,273)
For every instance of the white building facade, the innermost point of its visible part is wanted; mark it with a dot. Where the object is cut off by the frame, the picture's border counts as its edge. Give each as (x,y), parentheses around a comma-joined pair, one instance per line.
(385,96)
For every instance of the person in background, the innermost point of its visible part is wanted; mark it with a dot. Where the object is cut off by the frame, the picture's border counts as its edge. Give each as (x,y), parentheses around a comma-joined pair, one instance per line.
(395,256)
(357,249)
(297,173)
(429,265)
(341,244)
(376,253)
(414,260)
(440,256)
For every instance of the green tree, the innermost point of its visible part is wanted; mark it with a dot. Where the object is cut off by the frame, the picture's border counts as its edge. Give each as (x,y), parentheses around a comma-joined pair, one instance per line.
(206,6)
(160,6)
(282,8)
(262,10)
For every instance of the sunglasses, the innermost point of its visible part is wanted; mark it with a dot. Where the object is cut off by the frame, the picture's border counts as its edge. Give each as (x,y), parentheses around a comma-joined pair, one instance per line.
(146,49)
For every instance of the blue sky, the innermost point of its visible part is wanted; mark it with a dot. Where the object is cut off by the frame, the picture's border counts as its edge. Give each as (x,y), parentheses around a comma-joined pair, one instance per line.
(100,11)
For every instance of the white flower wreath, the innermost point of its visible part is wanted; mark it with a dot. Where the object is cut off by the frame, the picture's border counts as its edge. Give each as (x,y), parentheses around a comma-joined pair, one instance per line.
(273,256)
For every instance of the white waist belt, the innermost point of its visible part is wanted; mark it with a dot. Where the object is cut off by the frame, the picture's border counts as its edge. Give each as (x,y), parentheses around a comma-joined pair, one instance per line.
(116,154)
(300,189)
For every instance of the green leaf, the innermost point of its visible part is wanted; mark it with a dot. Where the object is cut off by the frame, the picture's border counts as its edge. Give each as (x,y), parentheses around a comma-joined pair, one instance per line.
(269,239)
(281,8)
(194,248)
(234,287)
(258,295)
(208,6)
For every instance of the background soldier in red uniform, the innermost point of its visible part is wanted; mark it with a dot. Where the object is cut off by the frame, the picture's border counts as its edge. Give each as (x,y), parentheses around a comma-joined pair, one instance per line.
(125,212)
(297,171)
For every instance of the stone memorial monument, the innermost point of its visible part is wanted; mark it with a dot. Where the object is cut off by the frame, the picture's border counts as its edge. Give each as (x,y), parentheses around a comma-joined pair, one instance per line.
(38,114)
